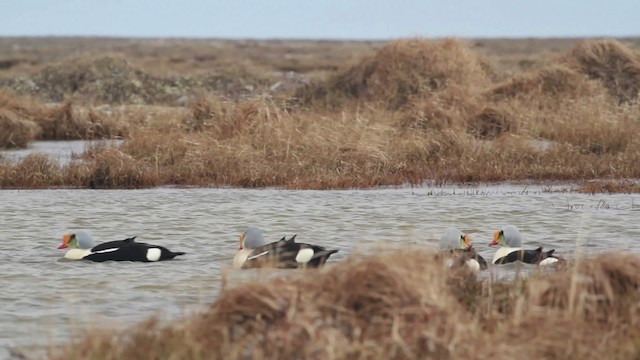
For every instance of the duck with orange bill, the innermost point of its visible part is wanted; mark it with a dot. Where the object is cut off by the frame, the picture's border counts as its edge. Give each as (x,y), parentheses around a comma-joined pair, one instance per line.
(82,247)
(283,254)
(458,245)
(511,250)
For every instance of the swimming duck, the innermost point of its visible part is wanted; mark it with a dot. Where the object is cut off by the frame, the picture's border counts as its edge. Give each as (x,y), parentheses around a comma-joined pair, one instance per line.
(459,246)
(284,253)
(511,240)
(82,246)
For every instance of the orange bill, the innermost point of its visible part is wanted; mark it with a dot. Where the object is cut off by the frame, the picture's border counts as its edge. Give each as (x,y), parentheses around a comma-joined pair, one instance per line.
(496,235)
(467,241)
(65,241)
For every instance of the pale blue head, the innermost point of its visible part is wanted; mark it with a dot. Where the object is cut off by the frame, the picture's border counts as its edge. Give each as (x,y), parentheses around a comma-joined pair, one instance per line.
(454,239)
(251,238)
(78,240)
(509,236)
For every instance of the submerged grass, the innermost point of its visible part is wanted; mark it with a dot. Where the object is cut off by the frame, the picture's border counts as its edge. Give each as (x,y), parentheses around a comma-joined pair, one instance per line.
(414,110)
(402,304)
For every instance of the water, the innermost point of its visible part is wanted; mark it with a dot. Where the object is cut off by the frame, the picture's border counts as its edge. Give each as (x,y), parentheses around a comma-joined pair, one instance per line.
(61,151)
(45,300)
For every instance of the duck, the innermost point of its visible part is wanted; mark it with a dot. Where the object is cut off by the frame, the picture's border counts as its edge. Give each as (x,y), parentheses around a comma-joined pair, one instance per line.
(82,247)
(283,254)
(458,246)
(511,251)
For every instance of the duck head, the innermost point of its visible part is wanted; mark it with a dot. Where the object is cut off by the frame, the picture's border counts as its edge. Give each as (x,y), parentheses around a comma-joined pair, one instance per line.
(455,239)
(80,240)
(251,238)
(508,236)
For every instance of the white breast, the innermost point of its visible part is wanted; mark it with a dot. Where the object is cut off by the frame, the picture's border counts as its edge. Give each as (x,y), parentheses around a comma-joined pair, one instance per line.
(76,254)
(504,251)
(241,258)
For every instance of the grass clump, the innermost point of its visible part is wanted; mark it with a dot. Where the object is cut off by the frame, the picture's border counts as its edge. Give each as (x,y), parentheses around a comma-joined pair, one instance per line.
(17,128)
(613,64)
(15,132)
(398,72)
(64,122)
(34,171)
(24,120)
(400,304)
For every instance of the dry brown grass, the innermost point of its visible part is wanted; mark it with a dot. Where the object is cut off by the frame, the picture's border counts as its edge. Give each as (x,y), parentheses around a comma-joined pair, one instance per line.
(34,171)
(23,120)
(609,187)
(400,71)
(616,66)
(414,110)
(64,122)
(17,128)
(400,305)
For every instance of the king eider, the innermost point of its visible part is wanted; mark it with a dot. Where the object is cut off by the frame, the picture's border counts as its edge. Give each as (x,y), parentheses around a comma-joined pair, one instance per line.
(458,246)
(511,250)
(283,254)
(82,247)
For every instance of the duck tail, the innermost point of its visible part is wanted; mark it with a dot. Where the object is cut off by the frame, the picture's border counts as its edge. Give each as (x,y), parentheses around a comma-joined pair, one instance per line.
(174,254)
(326,253)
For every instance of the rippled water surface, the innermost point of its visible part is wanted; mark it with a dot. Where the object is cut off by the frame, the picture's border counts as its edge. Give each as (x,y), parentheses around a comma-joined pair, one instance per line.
(61,151)
(45,300)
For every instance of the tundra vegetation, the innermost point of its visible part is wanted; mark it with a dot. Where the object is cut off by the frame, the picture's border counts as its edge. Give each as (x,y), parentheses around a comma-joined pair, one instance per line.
(323,114)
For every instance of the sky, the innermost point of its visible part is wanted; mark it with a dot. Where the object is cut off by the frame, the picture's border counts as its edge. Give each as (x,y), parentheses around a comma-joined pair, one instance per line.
(328,19)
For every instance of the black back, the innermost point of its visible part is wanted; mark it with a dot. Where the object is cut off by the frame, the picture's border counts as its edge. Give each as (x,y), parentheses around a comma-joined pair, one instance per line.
(128,250)
(282,254)
(113,244)
(527,256)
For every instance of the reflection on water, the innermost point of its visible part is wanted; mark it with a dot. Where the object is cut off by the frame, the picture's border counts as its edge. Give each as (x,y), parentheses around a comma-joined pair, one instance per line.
(44,300)
(62,151)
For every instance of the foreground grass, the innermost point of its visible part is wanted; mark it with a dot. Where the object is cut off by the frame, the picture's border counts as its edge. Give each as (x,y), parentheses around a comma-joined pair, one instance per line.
(412,111)
(400,305)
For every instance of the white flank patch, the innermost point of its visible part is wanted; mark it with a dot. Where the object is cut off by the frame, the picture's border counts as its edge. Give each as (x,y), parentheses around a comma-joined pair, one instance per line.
(153,254)
(304,255)
(473,264)
(504,251)
(548,261)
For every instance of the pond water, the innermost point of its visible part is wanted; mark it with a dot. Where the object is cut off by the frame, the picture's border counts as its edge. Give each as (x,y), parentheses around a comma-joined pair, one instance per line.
(62,151)
(45,300)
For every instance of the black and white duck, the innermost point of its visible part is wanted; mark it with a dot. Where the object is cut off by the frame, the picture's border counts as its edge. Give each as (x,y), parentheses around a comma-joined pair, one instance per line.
(82,247)
(458,245)
(284,253)
(511,250)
